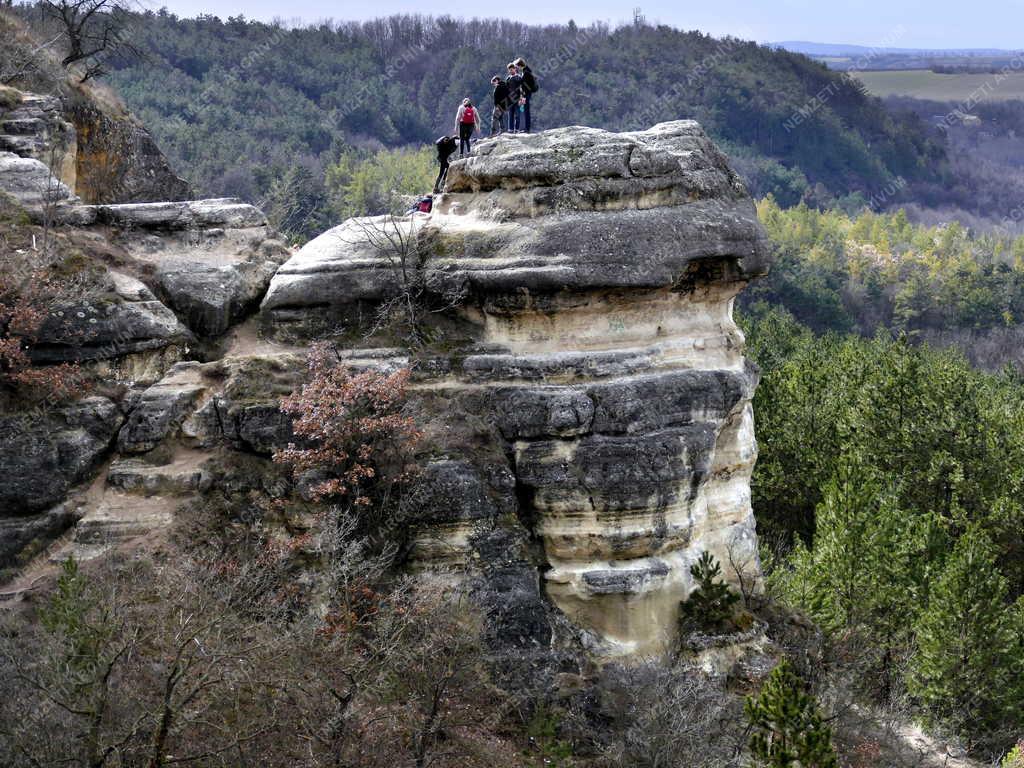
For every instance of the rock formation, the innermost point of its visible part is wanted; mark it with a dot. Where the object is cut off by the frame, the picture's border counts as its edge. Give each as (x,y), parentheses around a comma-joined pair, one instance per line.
(98,151)
(579,377)
(597,389)
(178,275)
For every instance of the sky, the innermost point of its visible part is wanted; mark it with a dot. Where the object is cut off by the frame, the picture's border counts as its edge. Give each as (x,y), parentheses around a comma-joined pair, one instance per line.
(889,23)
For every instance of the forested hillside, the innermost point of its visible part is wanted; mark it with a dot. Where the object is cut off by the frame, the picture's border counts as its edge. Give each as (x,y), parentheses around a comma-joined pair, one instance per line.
(887,494)
(867,272)
(239,105)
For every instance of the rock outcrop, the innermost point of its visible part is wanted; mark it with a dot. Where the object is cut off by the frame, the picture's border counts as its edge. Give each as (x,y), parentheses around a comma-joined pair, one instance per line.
(34,126)
(97,150)
(117,160)
(46,451)
(592,385)
(211,260)
(127,321)
(148,285)
(579,378)
(43,195)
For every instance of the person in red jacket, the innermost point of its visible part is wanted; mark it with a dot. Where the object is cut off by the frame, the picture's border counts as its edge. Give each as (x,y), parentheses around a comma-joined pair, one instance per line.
(467,122)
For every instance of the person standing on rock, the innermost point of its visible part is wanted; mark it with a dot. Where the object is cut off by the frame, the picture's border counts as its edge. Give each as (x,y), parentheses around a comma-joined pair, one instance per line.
(445,149)
(467,121)
(515,93)
(529,87)
(500,105)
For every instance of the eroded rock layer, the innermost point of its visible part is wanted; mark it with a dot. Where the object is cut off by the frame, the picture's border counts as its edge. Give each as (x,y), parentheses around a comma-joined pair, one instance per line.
(592,385)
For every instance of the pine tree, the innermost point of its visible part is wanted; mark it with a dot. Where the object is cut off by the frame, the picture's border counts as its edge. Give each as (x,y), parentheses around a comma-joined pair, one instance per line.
(963,668)
(788,729)
(712,602)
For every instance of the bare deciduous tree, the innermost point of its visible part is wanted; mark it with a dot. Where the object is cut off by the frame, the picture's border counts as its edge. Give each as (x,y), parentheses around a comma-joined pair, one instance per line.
(398,242)
(94,30)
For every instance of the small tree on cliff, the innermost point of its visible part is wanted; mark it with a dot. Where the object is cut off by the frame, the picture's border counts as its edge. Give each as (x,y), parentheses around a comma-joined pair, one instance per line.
(788,729)
(712,603)
(27,294)
(415,294)
(356,442)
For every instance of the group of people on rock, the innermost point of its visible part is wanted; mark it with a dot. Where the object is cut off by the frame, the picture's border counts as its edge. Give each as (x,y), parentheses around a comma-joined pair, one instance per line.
(511,112)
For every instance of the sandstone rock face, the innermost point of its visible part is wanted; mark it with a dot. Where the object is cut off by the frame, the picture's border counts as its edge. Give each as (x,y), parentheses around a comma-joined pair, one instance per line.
(159,411)
(212,259)
(101,154)
(35,127)
(597,393)
(129,322)
(42,194)
(117,160)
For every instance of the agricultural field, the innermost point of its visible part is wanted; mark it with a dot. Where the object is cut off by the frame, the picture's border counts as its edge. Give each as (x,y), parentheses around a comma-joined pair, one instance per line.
(925,84)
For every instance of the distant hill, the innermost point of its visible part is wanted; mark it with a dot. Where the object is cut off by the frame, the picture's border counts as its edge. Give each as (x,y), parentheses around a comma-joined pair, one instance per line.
(845,49)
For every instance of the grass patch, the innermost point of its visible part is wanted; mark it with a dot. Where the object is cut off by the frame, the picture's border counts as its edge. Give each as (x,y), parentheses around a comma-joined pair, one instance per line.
(925,84)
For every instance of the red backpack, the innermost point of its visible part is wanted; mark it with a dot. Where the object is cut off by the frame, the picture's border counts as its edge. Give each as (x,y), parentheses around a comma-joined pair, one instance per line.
(468,115)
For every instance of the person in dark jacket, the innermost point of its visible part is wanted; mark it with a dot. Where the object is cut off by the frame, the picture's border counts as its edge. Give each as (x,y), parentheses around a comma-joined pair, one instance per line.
(445,149)
(500,105)
(529,87)
(515,92)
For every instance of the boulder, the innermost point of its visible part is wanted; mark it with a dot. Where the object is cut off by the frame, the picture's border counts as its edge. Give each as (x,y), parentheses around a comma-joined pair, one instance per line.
(211,259)
(39,191)
(24,536)
(130,321)
(160,410)
(45,451)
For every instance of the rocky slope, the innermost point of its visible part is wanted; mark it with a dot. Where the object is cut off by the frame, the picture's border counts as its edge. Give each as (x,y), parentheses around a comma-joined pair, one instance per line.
(98,151)
(597,393)
(173,277)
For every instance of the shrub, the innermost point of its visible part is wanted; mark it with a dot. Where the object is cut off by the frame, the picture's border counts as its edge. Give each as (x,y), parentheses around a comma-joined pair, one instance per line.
(788,729)
(712,603)
(1015,757)
(352,427)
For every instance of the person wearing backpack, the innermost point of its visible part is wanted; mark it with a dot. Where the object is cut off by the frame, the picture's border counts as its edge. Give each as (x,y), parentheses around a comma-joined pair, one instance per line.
(501,105)
(467,121)
(515,93)
(529,87)
(445,149)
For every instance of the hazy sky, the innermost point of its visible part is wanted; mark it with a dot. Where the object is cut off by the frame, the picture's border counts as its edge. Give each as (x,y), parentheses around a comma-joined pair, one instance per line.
(894,23)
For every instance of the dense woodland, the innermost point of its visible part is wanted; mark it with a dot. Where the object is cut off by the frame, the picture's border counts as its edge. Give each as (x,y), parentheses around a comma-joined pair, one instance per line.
(866,272)
(887,494)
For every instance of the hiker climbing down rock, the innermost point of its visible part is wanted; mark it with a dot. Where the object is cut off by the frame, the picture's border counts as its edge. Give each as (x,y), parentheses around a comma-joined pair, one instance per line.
(445,149)
(467,122)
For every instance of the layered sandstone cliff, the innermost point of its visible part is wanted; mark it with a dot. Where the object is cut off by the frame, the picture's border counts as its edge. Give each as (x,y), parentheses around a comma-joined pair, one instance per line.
(592,384)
